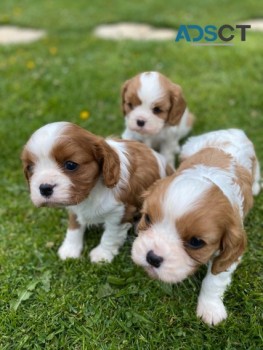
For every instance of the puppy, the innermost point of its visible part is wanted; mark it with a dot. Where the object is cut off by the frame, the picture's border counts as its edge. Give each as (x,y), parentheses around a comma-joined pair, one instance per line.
(196,216)
(99,181)
(155,113)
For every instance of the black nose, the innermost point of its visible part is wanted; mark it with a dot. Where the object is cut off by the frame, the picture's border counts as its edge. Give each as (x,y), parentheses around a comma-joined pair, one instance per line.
(154,259)
(140,122)
(46,190)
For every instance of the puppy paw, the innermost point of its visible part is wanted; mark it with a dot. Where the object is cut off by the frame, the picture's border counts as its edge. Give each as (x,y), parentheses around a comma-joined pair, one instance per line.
(100,254)
(211,312)
(68,250)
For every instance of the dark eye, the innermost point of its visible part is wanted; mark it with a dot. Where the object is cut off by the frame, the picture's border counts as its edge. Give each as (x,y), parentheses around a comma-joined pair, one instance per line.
(195,243)
(129,104)
(68,165)
(147,219)
(157,110)
(30,168)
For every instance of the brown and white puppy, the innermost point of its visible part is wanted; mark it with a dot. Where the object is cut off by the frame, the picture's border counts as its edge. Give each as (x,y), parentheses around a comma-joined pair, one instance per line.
(196,216)
(155,113)
(100,181)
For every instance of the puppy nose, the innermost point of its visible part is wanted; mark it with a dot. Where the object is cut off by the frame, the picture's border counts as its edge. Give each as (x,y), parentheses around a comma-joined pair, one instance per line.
(140,122)
(46,190)
(154,259)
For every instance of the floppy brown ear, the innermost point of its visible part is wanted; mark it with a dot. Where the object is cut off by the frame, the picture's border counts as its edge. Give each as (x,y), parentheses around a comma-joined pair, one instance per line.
(178,105)
(110,163)
(26,159)
(233,245)
(123,91)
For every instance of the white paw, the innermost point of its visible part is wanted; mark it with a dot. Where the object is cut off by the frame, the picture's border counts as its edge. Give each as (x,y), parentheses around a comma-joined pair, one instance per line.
(211,311)
(69,250)
(100,254)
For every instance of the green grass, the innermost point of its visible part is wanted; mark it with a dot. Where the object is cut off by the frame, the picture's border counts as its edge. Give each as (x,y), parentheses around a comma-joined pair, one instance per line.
(47,303)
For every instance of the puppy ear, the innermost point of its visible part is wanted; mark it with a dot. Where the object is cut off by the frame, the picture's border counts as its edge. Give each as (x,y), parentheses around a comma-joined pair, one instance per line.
(233,244)
(110,163)
(123,92)
(26,159)
(178,105)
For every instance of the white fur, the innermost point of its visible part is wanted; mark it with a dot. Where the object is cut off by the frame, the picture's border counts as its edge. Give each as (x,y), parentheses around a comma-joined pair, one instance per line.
(73,244)
(166,140)
(149,92)
(225,180)
(150,89)
(155,133)
(210,305)
(100,207)
(161,163)
(257,180)
(42,140)
(121,150)
(231,141)
(46,169)
(164,240)
(183,195)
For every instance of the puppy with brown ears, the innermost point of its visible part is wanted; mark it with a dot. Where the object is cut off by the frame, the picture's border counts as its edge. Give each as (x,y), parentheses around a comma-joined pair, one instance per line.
(196,216)
(155,113)
(99,181)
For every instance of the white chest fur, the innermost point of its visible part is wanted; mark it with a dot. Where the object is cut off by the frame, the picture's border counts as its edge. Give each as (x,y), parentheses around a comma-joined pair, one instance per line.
(99,207)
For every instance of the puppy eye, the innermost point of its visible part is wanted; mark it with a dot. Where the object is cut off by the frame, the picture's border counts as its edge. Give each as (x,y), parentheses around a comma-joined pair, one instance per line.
(129,104)
(157,110)
(147,219)
(71,166)
(30,168)
(195,243)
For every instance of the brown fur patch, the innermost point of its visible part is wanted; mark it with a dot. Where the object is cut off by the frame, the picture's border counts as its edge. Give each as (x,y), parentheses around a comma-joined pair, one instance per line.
(172,105)
(177,101)
(214,157)
(211,157)
(213,218)
(208,222)
(231,237)
(93,156)
(245,181)
(144,171)
(72,221)
(233,244)
(28,161)
(129,94)
(169,170)
(152,204)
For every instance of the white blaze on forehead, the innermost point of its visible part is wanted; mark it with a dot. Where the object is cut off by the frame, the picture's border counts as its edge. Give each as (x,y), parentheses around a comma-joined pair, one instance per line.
(46,169)
(42,141)
(183,194)
(150,90)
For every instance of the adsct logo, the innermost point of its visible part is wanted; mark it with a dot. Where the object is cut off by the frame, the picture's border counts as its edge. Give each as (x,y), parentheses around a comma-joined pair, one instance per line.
(210,34)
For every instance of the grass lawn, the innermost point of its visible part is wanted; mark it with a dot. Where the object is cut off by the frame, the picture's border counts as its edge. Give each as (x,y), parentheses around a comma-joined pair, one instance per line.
(49,304)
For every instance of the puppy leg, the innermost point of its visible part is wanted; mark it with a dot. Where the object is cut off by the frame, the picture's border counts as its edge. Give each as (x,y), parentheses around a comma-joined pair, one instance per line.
(73,243)
(210,305)
(112,239)
(169,150)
